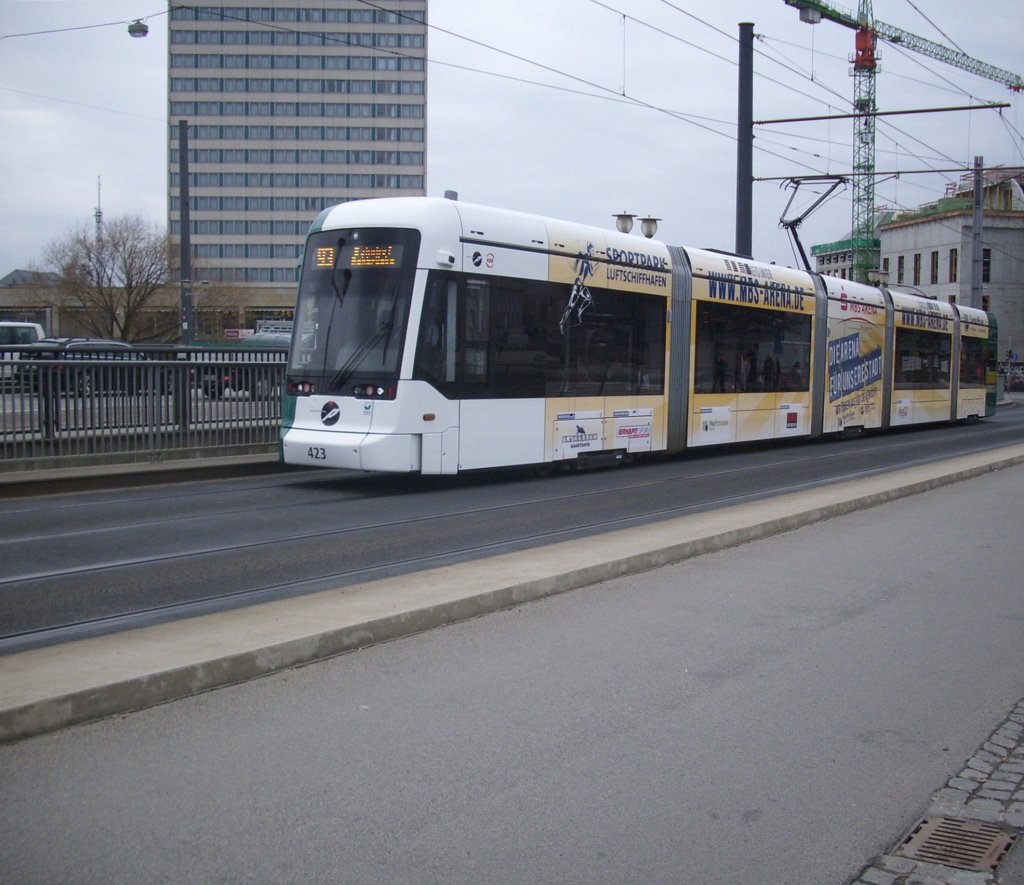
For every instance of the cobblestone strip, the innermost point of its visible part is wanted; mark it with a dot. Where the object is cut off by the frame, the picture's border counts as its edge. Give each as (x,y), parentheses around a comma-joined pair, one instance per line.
(990,789)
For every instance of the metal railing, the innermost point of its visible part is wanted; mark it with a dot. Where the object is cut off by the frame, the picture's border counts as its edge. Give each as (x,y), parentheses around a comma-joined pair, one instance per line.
(140,404)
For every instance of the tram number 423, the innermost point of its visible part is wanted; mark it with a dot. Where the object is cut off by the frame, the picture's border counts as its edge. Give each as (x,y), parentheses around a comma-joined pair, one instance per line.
(316,453)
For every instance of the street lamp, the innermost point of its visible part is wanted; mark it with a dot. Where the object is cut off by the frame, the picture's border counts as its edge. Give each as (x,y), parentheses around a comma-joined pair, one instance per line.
(138,28)
(649,226)
(624,222)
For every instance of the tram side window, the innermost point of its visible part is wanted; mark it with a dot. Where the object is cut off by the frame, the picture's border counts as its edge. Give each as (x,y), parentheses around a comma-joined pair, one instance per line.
(617,348)
(500,337)
(437,347)
(972,362)
(524,362)
(487,337)
(747,349)
(476,331)
(922,360)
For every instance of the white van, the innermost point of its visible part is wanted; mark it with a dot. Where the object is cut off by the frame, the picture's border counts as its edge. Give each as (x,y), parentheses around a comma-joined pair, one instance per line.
(15,333)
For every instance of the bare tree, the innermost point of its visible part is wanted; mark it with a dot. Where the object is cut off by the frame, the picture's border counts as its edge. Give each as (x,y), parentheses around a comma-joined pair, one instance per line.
(112,280)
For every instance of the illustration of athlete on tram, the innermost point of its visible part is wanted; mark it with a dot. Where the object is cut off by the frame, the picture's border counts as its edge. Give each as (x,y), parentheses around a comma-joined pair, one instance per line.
(580,298)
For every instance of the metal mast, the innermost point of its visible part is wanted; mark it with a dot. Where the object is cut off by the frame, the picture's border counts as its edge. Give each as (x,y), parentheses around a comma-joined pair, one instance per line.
(98,214)
(865,67)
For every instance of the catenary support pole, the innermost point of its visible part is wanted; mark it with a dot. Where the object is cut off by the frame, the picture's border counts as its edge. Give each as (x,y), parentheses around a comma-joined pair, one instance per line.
(976,226)
(745,143)
(188,335)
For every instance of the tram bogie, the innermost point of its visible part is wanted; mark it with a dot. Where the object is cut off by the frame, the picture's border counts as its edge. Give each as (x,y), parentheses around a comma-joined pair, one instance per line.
(435,336)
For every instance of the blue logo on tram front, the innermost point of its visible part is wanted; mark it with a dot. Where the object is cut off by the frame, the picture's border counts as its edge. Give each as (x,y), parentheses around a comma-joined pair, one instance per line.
(330,413)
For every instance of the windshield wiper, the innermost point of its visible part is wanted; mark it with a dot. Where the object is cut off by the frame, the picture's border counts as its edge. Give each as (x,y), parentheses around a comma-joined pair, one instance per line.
(345,372)
(389,325)
(344,290)
(339,296)
(382,334)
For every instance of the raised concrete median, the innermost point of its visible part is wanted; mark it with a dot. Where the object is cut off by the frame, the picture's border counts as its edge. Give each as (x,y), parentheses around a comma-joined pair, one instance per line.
(50,688)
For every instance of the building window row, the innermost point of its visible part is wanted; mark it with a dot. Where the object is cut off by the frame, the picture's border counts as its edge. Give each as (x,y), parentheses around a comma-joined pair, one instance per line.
(245,61)
(241,228)
(237,156)
(249,274)
(318,181)
(290,86)
(294,109)
(295,16)
(246,250)
(301,133)
(953,269)
(297,38)
(262,204)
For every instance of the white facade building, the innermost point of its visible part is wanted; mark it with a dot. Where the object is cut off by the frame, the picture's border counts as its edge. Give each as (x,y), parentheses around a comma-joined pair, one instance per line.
(931,249)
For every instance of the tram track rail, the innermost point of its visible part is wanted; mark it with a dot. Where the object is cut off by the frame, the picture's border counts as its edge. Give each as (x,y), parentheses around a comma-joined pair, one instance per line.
(50,599)
(611,524)
(340,490)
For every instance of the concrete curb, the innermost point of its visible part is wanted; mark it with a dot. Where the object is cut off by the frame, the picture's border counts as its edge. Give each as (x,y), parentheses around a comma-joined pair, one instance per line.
(15,483)
(47,689)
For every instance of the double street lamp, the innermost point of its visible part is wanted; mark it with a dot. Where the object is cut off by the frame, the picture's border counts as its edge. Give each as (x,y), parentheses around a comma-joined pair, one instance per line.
(624,224)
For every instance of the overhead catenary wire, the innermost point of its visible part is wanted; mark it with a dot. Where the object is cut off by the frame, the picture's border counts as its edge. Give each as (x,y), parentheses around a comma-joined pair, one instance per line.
(606,93)
(603,92)
(720,128)
(816,82)
(946,36)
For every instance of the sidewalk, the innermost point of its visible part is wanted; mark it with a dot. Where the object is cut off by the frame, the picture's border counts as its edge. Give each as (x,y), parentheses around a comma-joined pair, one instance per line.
(973,819)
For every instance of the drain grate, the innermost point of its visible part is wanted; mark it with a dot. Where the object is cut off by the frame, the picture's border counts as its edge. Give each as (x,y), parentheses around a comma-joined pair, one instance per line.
(965,845)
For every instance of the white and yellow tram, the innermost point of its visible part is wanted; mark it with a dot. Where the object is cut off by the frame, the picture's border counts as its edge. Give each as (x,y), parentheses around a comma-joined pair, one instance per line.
(435,336)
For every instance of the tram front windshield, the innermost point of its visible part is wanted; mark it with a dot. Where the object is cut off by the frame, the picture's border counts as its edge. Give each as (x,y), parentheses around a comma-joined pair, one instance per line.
(352,310)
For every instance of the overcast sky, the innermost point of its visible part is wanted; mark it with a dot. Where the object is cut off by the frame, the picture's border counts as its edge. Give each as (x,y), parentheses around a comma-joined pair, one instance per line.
(628,105)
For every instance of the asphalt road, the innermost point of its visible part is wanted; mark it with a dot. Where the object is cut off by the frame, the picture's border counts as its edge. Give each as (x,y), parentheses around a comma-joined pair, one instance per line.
(776,713)
(165,551)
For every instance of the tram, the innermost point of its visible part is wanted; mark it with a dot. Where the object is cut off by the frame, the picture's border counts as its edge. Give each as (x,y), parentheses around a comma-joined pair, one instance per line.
(436,336)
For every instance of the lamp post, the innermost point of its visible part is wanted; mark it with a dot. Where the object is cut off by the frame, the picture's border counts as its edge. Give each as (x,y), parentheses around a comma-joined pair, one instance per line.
(649,226)
(623,222)
(187,321)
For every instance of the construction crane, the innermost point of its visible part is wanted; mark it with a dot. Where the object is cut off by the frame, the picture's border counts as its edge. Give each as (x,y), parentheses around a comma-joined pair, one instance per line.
(865,67)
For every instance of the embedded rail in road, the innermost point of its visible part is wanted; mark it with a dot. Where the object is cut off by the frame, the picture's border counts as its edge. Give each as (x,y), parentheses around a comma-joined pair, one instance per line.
(98,563)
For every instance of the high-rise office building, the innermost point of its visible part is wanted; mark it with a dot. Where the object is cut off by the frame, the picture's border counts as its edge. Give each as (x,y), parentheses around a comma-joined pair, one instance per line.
(291,107)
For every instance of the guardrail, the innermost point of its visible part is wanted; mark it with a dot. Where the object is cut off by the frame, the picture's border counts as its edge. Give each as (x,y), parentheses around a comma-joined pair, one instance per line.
(148,404)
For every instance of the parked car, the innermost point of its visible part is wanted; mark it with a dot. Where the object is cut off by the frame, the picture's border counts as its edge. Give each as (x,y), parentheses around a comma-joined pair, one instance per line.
(246,374)
(15,334)
(18,333)
(85,366)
